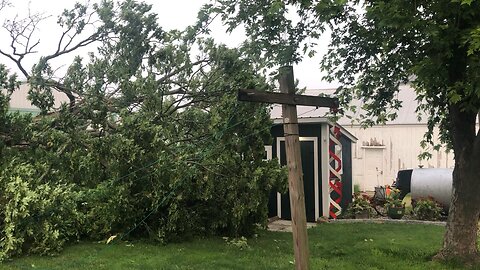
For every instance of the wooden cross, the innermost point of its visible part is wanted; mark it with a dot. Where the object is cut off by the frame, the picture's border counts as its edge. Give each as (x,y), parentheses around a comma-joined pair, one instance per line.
(289,101)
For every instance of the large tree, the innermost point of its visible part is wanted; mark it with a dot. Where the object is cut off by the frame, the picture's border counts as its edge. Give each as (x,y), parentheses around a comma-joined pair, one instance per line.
(150,142)
(378,45)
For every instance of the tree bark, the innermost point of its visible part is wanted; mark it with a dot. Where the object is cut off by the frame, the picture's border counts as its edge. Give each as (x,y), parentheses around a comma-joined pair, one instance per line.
(460,241)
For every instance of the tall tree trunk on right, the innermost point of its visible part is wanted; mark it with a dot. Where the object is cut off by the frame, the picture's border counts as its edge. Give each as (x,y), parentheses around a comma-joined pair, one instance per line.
(460,239)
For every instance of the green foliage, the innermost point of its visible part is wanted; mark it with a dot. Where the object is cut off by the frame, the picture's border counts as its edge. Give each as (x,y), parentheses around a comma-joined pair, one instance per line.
(360,206)
(275,29)
(393,200)
(240,243)
(36,217)
(152,142)
(427,209)
(394,206)
(11,125)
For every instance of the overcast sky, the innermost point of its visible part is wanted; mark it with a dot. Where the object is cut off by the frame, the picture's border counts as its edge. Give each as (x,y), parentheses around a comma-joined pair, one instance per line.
(175,14)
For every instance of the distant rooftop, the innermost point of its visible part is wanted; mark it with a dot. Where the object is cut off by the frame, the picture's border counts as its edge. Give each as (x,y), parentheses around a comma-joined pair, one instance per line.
(19,100)
(406,114)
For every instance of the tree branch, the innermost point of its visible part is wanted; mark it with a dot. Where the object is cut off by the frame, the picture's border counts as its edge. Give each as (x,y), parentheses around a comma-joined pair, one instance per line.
(90,39)
(173,73)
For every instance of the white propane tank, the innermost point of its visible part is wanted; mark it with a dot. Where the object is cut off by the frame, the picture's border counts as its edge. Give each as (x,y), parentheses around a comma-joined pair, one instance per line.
(436,183)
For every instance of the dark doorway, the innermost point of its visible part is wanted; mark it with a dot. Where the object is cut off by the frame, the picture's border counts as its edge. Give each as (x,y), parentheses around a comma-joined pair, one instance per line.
(308,166)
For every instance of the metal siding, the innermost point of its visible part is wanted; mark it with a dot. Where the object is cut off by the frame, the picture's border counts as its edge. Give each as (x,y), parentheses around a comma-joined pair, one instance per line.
(406,114)
(401,147)
(19,99)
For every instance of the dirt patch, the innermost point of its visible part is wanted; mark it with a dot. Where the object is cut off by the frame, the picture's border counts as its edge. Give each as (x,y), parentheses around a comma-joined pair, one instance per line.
(385,220)
(279,225)
(284,225)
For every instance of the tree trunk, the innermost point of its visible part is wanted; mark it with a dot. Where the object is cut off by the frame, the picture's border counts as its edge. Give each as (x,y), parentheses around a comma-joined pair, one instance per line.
(461,235)
(460,241)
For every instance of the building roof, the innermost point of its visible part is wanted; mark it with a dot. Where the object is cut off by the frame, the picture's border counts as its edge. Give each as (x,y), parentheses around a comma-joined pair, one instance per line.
(19,100)
(406,114)
(320,120)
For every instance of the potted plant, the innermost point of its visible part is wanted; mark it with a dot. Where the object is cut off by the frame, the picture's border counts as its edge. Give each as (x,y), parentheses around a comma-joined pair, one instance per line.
(360,207)
(394,205)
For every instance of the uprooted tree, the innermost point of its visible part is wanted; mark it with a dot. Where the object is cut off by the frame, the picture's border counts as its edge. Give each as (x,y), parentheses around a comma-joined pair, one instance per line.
(375,47)
(151,141)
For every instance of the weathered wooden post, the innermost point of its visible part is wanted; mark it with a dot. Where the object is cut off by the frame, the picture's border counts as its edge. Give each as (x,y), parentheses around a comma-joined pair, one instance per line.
(289,102)
(295,173)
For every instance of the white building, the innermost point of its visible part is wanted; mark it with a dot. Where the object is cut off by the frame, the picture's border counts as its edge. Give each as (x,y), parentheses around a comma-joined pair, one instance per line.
(382,150)
(19,100)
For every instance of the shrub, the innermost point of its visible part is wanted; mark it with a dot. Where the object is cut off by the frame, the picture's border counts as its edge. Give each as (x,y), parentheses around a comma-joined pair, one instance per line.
(427,209)
(360,206)
(38,217)
(240,243)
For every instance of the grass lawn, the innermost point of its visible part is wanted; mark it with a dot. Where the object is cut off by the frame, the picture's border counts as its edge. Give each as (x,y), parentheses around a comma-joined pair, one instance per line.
(332,246)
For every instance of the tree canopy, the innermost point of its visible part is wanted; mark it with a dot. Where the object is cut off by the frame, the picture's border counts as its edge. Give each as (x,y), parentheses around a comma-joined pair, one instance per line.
(150,143)
(375,47)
